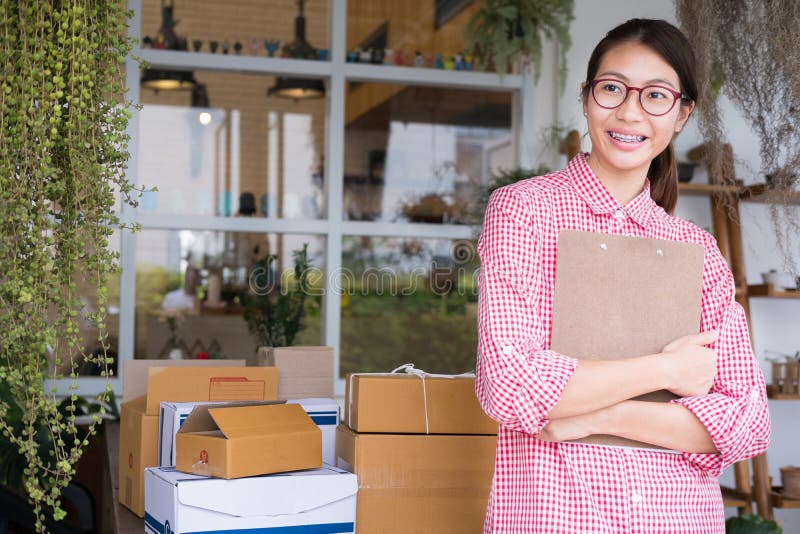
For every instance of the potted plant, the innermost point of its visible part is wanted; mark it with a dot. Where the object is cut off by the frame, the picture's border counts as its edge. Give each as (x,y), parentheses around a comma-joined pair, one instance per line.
(63,148)
(751,524)
(502,31)
(275,314)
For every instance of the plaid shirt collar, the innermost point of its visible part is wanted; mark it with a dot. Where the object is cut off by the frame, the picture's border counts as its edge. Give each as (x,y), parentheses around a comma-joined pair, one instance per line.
(600,200)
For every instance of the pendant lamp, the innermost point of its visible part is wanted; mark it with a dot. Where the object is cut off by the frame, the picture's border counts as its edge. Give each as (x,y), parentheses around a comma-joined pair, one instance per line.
(166,39)
(298,88)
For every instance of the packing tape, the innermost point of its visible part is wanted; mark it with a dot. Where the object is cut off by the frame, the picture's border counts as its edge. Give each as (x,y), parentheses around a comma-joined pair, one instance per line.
(409,369)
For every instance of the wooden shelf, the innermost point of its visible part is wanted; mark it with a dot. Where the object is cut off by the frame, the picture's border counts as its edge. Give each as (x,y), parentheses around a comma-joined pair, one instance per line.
(773,394)
(690,189)
(779,500)
(759,193)
(768,290)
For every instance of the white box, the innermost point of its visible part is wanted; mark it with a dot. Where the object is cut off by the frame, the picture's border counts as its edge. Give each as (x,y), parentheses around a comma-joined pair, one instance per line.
(317,500)
(324,412)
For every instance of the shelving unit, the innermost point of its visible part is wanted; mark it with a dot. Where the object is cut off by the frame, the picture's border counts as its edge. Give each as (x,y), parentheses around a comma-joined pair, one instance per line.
(724,201)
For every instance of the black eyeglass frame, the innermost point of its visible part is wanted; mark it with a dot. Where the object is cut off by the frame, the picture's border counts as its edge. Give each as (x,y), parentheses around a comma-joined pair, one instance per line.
(677,95)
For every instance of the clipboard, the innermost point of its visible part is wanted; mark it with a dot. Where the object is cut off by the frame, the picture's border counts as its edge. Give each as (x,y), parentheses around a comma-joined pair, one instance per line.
(620,297)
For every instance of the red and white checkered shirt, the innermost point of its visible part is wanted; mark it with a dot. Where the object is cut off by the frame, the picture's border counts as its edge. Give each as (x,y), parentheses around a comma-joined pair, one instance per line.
(568,487)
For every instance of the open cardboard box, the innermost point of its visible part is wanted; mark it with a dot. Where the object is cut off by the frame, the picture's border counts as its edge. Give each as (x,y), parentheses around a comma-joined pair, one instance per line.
(324,413)
(243,441)
(153,381)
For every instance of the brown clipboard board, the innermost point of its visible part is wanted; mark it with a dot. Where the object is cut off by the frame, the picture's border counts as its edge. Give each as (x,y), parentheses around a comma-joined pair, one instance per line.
(619,297)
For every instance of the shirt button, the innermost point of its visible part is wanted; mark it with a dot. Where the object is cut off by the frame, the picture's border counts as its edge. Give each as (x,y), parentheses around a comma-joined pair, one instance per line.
(636,498)
(619,215)
(508,350)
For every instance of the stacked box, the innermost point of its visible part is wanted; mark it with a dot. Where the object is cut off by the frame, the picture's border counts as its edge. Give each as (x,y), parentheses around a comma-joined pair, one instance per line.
(139,430)
(423,452)
(324,413)
(320,500)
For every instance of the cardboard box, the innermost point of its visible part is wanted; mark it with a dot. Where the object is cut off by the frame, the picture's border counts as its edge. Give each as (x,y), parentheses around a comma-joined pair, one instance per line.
(397,403)
(139,431)
(418,483)
(302,371)
(135,372)
(320,500)
(324,413)
(138,449)
(244,441)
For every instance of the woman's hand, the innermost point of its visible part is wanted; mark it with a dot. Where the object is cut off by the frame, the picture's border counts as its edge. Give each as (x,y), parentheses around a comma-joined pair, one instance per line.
(689,366)
(575,427)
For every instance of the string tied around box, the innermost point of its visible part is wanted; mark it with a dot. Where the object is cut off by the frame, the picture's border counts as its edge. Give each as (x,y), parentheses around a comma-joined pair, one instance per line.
(409,369)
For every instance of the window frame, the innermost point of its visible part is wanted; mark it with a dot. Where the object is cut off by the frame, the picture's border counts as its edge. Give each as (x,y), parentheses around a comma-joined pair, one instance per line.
(336,72)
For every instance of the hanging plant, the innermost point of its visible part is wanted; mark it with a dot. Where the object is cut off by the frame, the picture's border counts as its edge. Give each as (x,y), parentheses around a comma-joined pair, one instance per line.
(63,145)
(502,31)
(749,52)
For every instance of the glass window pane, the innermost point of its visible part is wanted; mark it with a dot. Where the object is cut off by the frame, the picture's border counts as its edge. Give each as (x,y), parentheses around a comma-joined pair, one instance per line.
(192,289)
(408,300)
(403,30)
(422,154)
(256,26)
(239,152)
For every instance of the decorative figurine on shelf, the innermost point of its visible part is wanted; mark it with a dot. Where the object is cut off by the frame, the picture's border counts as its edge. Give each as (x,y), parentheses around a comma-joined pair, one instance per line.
(377,56)
(254,47)
(213,45)
(398,58)
(365,55)
(237,48)
(439,61)
(388,56)
(197,44)
(226,46)
(459,61)
(419,61)
(449,63)
(159,43)
(271,47)
(147,42)
(468,62)
(428,60)
(352,56)
(322,53)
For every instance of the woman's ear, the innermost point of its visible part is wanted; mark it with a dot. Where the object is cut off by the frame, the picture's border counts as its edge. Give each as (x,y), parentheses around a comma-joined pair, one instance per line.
(683,116)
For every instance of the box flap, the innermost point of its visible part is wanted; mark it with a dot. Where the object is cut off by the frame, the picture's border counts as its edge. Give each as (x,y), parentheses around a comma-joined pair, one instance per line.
(240,421)
(134,372)
(210,384)
(281,494)
(199,420)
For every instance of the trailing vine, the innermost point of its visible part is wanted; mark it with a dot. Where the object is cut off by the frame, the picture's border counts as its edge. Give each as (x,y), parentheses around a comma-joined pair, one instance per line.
(749,51)
(63,149)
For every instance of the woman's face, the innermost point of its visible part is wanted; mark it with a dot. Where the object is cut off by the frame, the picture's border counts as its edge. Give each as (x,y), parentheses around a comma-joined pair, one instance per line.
(626,139)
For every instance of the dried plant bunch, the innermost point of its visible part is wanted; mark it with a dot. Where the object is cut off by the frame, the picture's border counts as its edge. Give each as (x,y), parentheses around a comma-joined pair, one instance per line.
(749,51)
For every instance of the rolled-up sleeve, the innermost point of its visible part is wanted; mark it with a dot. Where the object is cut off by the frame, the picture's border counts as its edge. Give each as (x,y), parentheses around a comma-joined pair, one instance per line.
(735,412)
(518,381)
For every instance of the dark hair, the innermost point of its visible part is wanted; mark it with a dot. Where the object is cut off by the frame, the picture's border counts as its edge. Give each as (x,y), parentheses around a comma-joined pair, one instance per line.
(671,44)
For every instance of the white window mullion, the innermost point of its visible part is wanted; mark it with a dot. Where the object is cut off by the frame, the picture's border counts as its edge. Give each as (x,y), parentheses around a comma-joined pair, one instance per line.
(334,171)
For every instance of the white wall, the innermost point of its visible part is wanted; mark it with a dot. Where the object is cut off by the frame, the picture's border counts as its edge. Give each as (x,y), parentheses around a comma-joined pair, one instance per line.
(774,323)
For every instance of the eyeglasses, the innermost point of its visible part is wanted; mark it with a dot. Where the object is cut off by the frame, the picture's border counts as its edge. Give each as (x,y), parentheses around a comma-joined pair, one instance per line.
(656,100)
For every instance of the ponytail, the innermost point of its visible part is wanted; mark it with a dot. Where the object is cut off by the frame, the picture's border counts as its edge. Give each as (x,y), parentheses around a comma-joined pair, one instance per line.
(663,175)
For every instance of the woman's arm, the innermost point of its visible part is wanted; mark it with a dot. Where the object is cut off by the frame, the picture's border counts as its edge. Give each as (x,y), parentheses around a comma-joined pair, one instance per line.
(685,367)
(664,424)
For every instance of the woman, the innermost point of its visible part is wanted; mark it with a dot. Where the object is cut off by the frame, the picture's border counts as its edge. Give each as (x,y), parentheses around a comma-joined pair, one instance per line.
(639,91)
